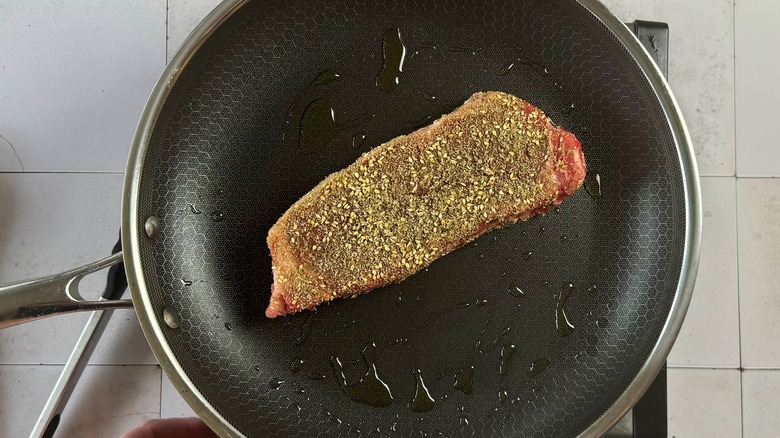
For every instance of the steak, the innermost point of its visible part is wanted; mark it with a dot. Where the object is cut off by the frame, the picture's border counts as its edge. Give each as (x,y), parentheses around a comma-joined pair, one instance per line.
(495,160)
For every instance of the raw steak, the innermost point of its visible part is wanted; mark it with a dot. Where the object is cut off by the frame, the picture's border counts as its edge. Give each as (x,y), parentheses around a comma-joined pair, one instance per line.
(493,161)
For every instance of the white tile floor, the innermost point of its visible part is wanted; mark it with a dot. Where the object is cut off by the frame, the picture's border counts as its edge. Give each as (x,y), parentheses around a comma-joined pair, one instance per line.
(74,76)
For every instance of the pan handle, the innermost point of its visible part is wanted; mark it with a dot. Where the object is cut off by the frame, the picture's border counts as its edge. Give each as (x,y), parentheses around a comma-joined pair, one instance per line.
(28,300)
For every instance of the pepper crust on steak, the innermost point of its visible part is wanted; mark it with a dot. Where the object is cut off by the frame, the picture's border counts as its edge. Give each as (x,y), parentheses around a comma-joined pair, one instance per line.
(495,160)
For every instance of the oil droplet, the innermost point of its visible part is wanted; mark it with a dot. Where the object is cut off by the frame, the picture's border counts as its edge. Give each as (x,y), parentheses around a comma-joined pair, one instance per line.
(257,367)
(507,352)
(464,380)
(358,139)
(186,282)
(481,302)
(538,366)
(274,383)
(561,321)
(296,365)
(300,391)
(318,125)
(464,421)
(349,323)
(503,333)
(305,330)
(478,346)
(542,230)
(422,401)
(569,109)
(506,69)
(325,77)
(316,376)
(516,291)
(228,326)
(193,209)
(370,390)
(399,341)
(539,68)
(217,216)
(393,52)
(420,123)
(331,417)
(563,238)
(503,396)
(466,50)
(593,185)
(462,305)
(428,96)
(593,289)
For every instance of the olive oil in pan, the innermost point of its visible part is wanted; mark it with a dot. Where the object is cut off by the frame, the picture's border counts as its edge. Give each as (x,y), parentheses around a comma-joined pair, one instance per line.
(538,366)
(539,68)
(516,291)
(420,123)
(457,49)
(358,139)
(428,96)
(562,323)
(274,383)
(318,125)
(325,77)
(593,185)
(305,330)
(393,53)
(422,401)
(464,380)
(314,375)
(506,69)
(507,352)
(503,333)
(370,390)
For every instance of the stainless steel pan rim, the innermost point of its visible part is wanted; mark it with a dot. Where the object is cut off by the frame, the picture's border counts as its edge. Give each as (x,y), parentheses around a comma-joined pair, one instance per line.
(149,321)
(130,236)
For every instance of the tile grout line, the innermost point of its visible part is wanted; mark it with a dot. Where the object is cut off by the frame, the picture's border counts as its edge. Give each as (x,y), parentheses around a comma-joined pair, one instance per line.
(739,309)
(734,72)
(159,401)
(63,172)
(742,402)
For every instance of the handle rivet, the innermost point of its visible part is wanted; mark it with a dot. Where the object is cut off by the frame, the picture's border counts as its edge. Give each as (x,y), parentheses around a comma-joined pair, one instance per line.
(152,226)
(171,318)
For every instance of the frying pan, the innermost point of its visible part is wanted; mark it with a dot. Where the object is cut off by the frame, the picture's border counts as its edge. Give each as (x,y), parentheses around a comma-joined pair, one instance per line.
(216,160)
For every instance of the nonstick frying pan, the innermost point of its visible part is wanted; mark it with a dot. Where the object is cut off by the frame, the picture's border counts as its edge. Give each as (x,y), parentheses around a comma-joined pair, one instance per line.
(217,159)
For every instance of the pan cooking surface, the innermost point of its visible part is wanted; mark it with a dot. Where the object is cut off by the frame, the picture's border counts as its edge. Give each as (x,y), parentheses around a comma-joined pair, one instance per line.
(225,161)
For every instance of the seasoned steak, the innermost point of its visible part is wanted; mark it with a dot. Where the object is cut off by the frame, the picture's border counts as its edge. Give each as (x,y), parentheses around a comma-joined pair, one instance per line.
(493,161)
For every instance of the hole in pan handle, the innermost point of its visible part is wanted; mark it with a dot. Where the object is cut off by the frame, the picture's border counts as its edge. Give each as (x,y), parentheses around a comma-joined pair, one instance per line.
(28,300)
